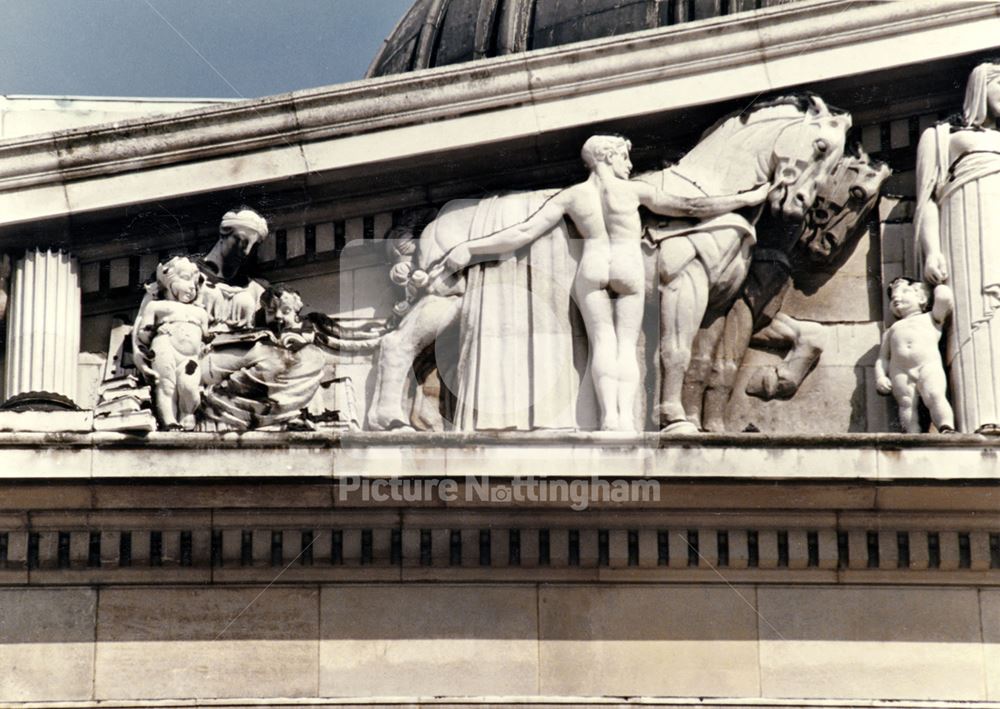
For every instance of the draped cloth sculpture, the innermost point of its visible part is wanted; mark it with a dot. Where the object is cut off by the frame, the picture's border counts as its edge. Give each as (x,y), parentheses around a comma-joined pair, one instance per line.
(516,360)
(958,230)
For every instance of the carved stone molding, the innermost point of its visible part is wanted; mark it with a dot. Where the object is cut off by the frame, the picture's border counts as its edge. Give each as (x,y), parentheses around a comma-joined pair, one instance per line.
(290,136)
(236,546)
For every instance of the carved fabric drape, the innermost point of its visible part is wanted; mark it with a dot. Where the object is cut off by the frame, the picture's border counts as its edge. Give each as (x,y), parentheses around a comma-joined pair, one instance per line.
(516,367)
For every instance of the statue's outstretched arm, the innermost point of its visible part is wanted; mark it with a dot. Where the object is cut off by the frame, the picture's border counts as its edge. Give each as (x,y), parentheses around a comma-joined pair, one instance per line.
(672,205)
(509,239)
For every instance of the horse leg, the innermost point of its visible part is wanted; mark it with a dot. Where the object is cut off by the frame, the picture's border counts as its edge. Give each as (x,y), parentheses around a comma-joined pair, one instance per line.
(807,340)
(699,370)
(399,348)
(683,299)
(733,344)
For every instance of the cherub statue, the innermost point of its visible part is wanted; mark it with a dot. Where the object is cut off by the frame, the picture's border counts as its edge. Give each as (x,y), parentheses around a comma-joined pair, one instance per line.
(909,361)
(170,334)
(275,381)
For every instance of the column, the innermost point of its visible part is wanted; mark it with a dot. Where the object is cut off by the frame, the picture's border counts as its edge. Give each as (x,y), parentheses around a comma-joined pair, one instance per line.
(43,325)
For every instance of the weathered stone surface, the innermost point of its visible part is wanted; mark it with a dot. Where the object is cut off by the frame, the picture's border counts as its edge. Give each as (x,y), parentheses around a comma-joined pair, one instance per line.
(830,400)
(46,644)
(828,304)
(628,640)
(404,641)
(206,643)
(989,600)
(889,643)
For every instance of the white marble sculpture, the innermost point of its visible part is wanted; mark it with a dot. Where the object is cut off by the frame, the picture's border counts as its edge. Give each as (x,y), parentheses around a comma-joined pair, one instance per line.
(704,265)
(190,298)
(277,378)
(170,333)
(230,300)
(506,354)
(783,256)
(224,352)
(958,231)
(610,280)
(909,362)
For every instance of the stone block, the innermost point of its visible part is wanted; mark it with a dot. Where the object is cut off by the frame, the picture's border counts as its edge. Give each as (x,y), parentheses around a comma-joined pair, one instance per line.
(205,643)
(872,643)
(629,640)
(896,208)
(47,644)
(989,600)
(836,391)
(894,241)
(428,640)
(845,298)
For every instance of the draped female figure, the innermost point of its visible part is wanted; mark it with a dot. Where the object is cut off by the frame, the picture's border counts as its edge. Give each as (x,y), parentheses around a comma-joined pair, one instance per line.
(957,225)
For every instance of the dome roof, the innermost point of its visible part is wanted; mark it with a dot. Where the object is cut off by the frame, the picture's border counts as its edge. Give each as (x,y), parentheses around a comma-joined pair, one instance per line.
(441,32)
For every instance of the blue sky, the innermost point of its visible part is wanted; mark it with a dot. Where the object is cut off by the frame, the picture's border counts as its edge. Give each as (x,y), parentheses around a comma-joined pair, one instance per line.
(188,48)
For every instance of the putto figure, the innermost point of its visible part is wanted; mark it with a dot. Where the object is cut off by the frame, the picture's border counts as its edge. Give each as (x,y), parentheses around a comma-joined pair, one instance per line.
(909,362)
(958,231)
(274,382)
(171,330)
(610,280)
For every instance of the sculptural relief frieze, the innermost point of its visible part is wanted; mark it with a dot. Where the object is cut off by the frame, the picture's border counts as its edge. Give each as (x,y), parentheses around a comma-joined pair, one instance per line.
(621,302)
(779,153)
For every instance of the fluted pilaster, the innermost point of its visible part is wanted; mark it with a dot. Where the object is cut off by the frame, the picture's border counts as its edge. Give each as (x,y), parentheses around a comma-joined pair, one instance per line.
(43,325)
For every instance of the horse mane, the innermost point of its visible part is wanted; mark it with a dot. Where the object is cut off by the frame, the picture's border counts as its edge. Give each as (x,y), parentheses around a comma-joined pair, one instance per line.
(803,102)
(854,150)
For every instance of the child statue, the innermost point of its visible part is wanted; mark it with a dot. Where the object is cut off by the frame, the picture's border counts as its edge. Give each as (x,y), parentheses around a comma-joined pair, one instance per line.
(276,380)
(909,361)
(171,330)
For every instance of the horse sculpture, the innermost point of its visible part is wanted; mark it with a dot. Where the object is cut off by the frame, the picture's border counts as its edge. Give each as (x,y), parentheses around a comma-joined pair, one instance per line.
(791,143)
(785,254)
(703,266)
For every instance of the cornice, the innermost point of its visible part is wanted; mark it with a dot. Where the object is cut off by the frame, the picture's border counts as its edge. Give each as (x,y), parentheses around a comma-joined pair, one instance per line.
(525,95)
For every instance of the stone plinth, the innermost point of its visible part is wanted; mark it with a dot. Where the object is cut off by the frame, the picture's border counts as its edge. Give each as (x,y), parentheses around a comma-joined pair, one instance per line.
(43,325)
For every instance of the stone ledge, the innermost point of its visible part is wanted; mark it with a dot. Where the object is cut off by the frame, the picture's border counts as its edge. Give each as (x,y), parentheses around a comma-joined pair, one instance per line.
(534,702)
(744,457)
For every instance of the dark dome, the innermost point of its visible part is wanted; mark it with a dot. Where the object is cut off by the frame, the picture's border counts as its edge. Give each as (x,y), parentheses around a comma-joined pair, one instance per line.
(441,32)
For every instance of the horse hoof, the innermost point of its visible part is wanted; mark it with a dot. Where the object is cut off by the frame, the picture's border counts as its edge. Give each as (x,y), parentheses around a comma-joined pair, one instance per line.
(396,425)
(680,428)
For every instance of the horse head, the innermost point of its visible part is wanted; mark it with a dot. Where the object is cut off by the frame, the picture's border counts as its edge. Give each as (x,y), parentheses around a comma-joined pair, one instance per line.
(804,156)
(841,208)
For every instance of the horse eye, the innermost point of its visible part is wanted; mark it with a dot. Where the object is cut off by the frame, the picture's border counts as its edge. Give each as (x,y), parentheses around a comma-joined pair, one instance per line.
(822,146)
(858,193)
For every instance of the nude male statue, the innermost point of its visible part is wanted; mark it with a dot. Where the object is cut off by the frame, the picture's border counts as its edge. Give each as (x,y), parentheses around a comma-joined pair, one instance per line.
(609,285)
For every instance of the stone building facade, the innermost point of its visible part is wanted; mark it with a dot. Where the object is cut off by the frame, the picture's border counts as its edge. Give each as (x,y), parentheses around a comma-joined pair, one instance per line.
(812,554)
